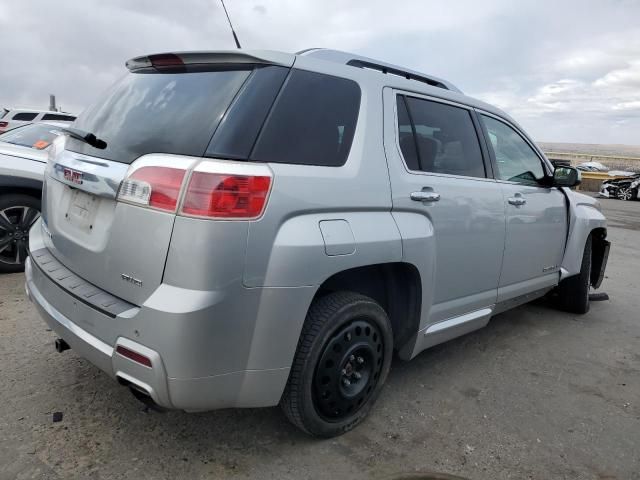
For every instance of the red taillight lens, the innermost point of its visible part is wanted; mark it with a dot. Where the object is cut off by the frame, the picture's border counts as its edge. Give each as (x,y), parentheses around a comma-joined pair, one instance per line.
(226,196)
(157,187)
(135,356)
(166,60)
(3,124)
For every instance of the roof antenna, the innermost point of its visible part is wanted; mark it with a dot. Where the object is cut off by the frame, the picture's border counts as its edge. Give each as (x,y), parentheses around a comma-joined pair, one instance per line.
(235,37)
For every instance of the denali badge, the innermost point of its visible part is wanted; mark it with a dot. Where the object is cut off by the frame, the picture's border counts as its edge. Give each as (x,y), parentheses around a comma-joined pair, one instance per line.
(73,176)
(130,279)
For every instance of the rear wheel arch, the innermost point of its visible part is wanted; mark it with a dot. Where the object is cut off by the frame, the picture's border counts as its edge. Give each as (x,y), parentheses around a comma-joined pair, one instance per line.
(396,286)
(31,191)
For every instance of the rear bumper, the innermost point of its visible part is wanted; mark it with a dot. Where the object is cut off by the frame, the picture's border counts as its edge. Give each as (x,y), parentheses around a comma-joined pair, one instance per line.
(245,388)
(199,344)
(104,356)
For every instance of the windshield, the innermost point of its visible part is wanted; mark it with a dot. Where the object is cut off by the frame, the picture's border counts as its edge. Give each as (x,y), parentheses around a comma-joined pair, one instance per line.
(35,135)
(158,113)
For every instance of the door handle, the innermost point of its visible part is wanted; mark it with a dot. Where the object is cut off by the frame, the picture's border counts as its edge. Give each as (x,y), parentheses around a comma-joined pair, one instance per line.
(517,200)
(425,196)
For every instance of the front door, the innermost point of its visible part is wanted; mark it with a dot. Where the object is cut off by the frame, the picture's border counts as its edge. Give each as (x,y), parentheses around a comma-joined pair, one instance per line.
(536,214)
(448,209)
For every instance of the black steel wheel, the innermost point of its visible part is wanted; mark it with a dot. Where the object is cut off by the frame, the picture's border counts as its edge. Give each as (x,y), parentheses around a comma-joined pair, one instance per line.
(18,213)
(348,369)
(342,360)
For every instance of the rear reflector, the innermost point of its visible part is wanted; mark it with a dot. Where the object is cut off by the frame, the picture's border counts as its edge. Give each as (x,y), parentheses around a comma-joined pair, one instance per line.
(218,195)
(135,356)
(154,186)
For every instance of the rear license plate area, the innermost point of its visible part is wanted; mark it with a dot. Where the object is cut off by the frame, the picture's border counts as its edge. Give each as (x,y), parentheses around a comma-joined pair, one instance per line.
(82,209)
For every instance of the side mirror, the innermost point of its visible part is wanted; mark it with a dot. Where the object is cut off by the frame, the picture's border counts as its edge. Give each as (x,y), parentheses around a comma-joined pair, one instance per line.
(565,176)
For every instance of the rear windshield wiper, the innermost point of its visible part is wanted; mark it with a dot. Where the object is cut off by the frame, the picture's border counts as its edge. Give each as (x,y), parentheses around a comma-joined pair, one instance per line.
(86,137)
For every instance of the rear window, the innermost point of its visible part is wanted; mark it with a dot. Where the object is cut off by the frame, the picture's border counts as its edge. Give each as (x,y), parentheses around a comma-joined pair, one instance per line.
(24,116)
(36,135)
(312,121)
(58,117)
(159,113)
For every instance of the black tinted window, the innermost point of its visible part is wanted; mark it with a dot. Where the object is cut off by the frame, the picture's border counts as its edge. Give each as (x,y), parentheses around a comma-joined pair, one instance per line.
(515,159)
(24,116)
(446,139)
(159,113)
(406,137)
(312,121)
(59,117)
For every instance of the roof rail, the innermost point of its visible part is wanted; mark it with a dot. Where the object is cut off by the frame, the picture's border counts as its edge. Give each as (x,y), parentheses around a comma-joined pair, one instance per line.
(371,64)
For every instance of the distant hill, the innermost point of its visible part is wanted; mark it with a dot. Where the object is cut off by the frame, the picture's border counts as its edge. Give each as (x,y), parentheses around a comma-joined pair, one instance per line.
(592,149)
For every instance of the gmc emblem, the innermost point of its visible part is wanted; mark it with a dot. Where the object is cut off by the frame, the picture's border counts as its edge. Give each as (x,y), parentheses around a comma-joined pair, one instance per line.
(73,176)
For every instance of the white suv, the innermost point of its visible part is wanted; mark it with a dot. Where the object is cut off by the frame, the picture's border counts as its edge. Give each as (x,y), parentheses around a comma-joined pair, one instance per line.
(10,119)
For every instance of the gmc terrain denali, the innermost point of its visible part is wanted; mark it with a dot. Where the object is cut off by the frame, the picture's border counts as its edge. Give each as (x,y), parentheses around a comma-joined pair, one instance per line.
(247,229)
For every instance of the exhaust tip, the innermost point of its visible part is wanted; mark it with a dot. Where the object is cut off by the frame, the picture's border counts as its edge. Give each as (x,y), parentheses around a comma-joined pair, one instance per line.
(61,345)
(142,395)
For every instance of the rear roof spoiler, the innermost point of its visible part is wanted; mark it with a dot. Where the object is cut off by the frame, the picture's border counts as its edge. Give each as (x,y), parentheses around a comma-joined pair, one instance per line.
(220,57)
(359,61)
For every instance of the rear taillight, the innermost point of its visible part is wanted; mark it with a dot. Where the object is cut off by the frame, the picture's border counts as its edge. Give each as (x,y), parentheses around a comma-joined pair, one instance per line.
(156,187)
(4,124)
(221,189)
(156,181)
(218,195)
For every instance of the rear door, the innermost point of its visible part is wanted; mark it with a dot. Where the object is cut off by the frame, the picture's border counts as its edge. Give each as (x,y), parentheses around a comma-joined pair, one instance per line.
(438,173)
(536,214)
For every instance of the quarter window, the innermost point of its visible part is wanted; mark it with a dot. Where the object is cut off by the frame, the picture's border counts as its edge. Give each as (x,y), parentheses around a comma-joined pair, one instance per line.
(312,121)
(516,160)
(444,137)
(57,116)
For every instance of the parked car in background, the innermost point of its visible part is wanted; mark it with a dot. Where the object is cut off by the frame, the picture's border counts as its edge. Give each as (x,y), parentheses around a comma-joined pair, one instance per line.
(23,158)
(10,119)
(275,227)
(621,188)
(592,167)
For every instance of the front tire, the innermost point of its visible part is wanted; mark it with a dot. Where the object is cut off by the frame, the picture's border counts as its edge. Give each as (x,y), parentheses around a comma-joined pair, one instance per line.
(626,193)
(342,360)
(18,212)
(573,292)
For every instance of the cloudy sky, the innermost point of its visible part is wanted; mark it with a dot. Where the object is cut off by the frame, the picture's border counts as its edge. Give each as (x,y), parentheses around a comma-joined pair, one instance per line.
(567,70)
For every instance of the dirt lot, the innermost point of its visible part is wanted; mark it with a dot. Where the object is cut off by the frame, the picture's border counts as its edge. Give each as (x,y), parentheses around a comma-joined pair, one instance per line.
(537,394)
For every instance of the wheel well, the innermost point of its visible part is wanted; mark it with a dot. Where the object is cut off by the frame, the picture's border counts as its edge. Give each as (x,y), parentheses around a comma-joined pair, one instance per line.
(32,192)
(395,286)
(598,249)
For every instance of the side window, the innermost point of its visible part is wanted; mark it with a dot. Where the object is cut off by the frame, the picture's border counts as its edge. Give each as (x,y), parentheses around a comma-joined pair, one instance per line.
(312,121)
(24,116)
(57,116)
(516,160)
(445,138)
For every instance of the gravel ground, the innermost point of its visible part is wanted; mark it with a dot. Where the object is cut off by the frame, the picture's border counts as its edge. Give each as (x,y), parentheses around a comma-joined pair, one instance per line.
(536,394)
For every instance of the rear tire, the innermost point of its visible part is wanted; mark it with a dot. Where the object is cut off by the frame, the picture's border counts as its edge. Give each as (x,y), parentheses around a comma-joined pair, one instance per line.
(342,360)
(573,292)
(18,212)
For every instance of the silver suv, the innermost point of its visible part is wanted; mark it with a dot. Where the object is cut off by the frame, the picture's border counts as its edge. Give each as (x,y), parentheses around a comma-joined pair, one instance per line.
(247,229)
